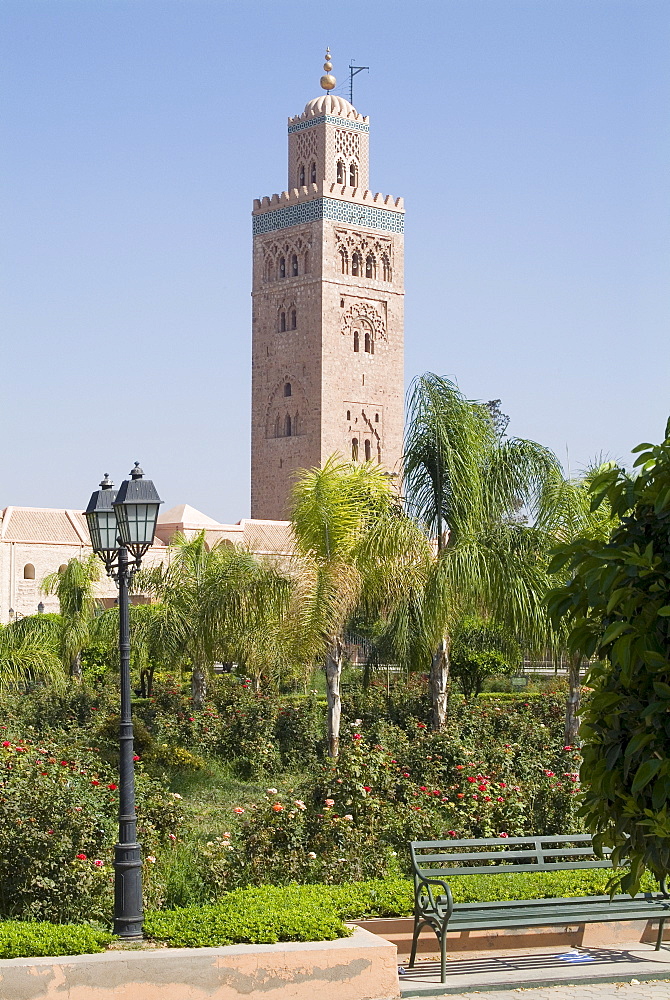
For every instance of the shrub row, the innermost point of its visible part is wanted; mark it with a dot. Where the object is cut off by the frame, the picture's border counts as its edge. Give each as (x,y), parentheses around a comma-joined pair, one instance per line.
(27,939)
(268,914)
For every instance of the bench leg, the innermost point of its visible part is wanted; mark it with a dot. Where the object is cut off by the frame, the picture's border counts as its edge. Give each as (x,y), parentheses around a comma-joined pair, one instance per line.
(659,939)
(443,956)
(415,941)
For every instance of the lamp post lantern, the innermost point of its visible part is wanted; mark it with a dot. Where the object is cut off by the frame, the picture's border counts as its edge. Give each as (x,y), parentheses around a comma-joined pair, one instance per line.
(121,525)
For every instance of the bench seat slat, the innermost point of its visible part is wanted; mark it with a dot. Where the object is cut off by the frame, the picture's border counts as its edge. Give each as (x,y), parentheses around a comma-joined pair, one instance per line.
(644,900)
(477,855)
(496,869)
(582,838)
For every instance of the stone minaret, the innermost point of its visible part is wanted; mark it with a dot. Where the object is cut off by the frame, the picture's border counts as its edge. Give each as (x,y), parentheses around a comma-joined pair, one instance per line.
(327,365)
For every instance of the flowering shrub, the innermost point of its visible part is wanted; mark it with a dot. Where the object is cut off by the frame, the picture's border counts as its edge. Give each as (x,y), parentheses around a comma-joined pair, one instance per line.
(58,823)
(352,820)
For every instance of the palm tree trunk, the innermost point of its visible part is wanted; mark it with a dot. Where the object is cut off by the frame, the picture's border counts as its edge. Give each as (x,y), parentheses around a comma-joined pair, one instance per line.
(439,678)
(333,674)
(198,686)
(571,734)
(75,666)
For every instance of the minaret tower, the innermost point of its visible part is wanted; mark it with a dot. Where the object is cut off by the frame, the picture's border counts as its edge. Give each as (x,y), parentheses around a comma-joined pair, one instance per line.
(327,368)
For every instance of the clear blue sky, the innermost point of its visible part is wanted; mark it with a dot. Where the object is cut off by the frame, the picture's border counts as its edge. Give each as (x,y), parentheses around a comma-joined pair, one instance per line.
(529,139)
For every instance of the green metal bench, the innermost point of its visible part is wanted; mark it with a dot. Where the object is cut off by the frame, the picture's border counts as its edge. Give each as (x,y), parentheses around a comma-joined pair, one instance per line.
(433,861)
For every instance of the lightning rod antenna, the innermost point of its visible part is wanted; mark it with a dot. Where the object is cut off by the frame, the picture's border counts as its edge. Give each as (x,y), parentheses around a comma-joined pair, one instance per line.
(353,71)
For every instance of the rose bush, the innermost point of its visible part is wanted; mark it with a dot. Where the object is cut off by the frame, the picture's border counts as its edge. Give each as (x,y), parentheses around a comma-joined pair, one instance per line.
(58,823)
(353,819)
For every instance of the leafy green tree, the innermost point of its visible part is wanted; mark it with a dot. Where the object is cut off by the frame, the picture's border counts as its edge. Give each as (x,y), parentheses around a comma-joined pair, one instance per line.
(565,513)
(358,552)
(618,606)
(212,606)
(477,493)
(481,648)
(74,587)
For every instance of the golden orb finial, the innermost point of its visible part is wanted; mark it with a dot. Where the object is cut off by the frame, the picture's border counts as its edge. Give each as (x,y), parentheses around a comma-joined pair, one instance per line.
(328,81)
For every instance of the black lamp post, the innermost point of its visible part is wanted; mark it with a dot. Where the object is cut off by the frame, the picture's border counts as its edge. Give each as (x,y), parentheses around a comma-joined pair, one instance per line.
(122,526)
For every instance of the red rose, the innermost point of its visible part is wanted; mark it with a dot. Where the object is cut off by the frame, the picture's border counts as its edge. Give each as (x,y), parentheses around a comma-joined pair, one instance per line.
(112,787)
(81,857)
(94,781)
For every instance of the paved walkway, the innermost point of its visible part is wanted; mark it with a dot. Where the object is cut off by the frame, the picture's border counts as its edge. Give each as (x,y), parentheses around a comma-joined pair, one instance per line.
(629,972)
(600,991)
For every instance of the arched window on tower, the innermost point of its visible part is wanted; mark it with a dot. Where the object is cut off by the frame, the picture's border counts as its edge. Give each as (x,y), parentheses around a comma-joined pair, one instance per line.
(386,268)
(294,265)
(282,321)
(344,259)
(356,264)
(370,266)
(277,427)
(287,388)
(367,342)
(287,425)
(368,451)
(354,450)
(340,172)
(294,319)
(295,424)
(312,173)
(353,174)
(282,267)
(356,342)
(28,572)
(301,175)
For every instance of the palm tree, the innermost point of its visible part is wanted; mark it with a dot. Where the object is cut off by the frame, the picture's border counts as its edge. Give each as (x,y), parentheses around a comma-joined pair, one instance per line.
(28,654)
(358,551)
(477,494)
(74,588)
(212,606)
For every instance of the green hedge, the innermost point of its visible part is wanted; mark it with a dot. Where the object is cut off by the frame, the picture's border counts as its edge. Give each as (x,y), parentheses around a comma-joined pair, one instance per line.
(252,916)
(25,939)
(268,914)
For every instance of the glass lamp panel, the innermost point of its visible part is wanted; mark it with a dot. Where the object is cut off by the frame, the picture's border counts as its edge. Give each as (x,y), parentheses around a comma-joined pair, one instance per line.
(108,529)
(137,522)
(102,529)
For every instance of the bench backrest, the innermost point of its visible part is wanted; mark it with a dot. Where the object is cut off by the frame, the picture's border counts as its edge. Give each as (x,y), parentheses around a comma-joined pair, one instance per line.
(441,858)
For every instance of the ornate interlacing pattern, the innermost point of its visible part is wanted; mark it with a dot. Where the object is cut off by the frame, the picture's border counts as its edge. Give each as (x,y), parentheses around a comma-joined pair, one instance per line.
(347,143)
(275,251)
(306,145)
(363,255)
(364,315)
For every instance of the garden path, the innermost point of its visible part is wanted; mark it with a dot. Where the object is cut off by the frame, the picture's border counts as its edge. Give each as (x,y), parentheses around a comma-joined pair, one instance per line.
(547,974)
(589,991)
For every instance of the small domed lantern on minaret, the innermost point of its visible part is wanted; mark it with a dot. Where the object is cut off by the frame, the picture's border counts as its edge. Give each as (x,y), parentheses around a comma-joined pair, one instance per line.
(328,81)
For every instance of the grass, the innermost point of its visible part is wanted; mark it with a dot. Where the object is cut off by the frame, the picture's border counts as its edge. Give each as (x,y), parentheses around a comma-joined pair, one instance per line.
(210,795)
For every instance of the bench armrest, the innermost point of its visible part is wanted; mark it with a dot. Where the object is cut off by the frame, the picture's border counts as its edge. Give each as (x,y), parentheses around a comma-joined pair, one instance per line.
(427,903)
